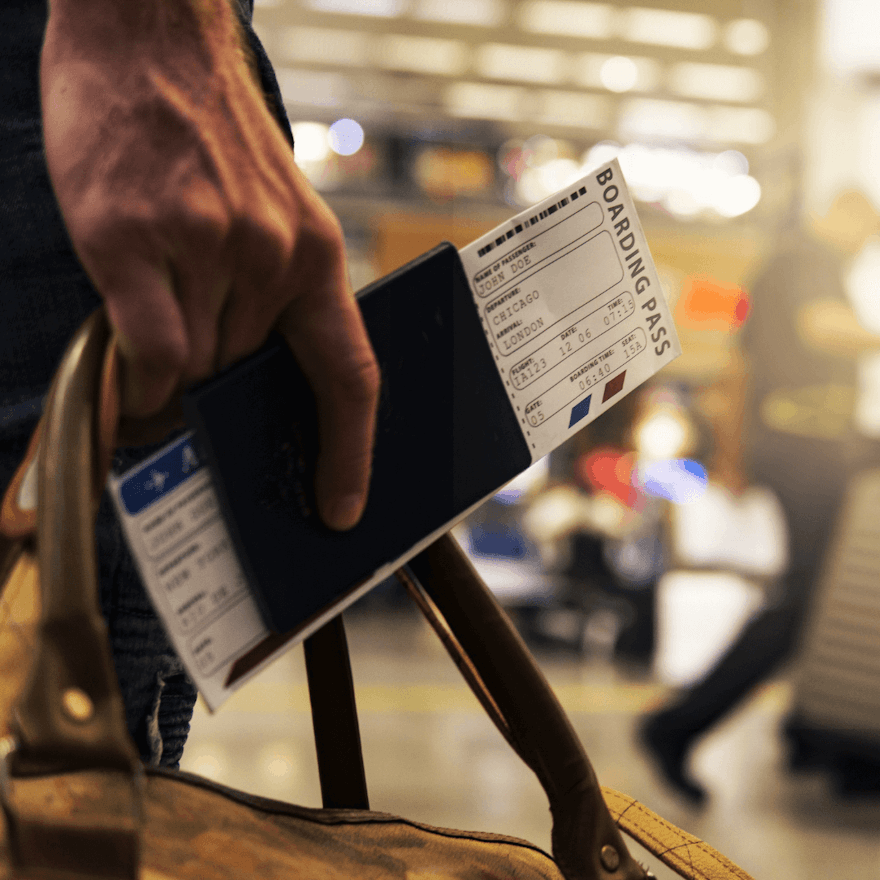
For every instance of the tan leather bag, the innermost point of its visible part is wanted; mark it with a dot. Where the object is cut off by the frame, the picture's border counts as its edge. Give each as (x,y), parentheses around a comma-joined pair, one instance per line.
(77,803)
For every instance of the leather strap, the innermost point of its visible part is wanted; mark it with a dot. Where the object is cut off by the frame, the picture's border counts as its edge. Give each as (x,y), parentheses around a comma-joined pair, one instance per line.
(582,827)
(686,854)
(70,714)
(459,657)
(72,661)
(18,510)
(334,719)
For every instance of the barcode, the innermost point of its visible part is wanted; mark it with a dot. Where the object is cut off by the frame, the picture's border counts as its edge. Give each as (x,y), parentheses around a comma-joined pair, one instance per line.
(531,221)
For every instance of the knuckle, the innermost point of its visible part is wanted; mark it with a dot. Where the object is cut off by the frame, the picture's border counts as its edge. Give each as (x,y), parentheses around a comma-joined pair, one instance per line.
(162,353)
(209,229)
(323,233)
(265,242)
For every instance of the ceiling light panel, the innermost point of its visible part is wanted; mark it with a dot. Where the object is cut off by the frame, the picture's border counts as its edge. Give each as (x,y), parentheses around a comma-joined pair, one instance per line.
(573,109)
(426,55)
(524,63)
(742,125)
(485,101)
(477,13)
(674,120)
(667,27)
(326,46)
(567,17)
(746,36)
(595,71)
(720,82)
(380,8)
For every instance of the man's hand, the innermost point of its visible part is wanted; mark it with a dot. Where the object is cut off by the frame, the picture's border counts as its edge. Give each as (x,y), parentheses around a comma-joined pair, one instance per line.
(185,207)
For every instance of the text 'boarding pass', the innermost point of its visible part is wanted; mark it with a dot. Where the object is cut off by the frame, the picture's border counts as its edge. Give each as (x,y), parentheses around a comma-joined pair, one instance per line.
(571,306)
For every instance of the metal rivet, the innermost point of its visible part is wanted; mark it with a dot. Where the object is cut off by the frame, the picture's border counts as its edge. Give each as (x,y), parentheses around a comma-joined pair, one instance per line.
(78,705)
(610,858)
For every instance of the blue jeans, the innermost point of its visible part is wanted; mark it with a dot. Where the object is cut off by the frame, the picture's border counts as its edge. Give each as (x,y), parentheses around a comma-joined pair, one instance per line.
(44,296)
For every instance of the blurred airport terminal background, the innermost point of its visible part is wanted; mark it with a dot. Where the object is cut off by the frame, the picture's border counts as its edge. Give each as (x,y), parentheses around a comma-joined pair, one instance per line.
(633,557)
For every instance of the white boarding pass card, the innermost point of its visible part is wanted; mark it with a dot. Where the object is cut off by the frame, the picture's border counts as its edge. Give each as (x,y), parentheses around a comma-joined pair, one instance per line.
(571,306)
(171,517)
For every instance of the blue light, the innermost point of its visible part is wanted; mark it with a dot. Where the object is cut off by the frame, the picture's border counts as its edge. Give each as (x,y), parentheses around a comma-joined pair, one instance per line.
(679,480)
(346,137)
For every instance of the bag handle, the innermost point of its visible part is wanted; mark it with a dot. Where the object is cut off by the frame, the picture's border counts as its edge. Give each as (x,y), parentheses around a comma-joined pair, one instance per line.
(586,842)
(71,709)
(515,694)
(70,713)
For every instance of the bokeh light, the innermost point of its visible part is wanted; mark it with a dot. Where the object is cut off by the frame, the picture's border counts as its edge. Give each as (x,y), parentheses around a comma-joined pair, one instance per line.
(619,74)
(311,141)
(345,137)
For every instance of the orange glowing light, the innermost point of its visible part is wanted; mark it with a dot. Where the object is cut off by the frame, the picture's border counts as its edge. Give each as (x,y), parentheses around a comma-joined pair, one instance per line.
(708,304)
(610,470)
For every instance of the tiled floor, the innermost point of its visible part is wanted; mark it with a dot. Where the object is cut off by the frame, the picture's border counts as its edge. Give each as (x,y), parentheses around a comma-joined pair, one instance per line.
(432,755)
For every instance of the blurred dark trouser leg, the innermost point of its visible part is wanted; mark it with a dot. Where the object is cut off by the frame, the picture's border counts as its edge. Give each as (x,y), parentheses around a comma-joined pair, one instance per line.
(764,644)
(811,501)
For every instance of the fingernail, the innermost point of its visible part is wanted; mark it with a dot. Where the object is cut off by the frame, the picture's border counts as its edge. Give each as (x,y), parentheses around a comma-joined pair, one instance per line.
(346,512)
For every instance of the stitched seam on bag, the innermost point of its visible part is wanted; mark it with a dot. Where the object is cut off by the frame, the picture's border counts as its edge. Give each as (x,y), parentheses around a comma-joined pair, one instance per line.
(451,833)
(340,817)
(722,861)
(632,802)
(693,841)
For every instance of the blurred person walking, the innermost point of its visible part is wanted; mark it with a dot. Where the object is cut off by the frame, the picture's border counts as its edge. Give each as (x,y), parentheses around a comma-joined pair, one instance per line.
(801,341)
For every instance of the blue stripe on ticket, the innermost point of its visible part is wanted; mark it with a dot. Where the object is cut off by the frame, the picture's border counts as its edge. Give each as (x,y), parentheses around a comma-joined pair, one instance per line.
(580,411)
(151,481)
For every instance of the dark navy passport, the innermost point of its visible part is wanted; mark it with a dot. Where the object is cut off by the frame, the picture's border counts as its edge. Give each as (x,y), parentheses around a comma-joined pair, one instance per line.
(446,439)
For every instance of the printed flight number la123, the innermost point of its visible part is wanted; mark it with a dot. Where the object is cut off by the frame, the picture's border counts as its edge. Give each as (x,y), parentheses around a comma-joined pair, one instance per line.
(570,341)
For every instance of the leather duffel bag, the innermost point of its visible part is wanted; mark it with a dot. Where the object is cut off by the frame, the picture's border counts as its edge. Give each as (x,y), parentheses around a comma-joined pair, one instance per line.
(77,803)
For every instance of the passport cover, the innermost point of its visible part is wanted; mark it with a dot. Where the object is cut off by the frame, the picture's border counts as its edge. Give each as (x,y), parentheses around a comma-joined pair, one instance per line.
(446,438)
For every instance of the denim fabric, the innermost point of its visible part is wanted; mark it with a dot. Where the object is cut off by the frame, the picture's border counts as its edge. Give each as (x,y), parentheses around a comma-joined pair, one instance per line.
(44,296)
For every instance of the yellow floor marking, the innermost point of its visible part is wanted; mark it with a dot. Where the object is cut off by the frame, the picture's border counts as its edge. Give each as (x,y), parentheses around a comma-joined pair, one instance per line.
(578,699)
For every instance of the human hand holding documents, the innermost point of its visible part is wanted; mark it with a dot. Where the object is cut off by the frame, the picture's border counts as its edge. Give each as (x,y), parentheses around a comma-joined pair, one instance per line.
(491,357)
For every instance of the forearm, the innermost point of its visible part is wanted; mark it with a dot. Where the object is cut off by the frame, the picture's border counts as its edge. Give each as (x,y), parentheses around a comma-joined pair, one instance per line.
(178,34)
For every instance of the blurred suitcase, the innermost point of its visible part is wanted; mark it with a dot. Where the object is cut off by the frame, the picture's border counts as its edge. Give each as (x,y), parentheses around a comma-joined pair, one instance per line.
(836,703)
